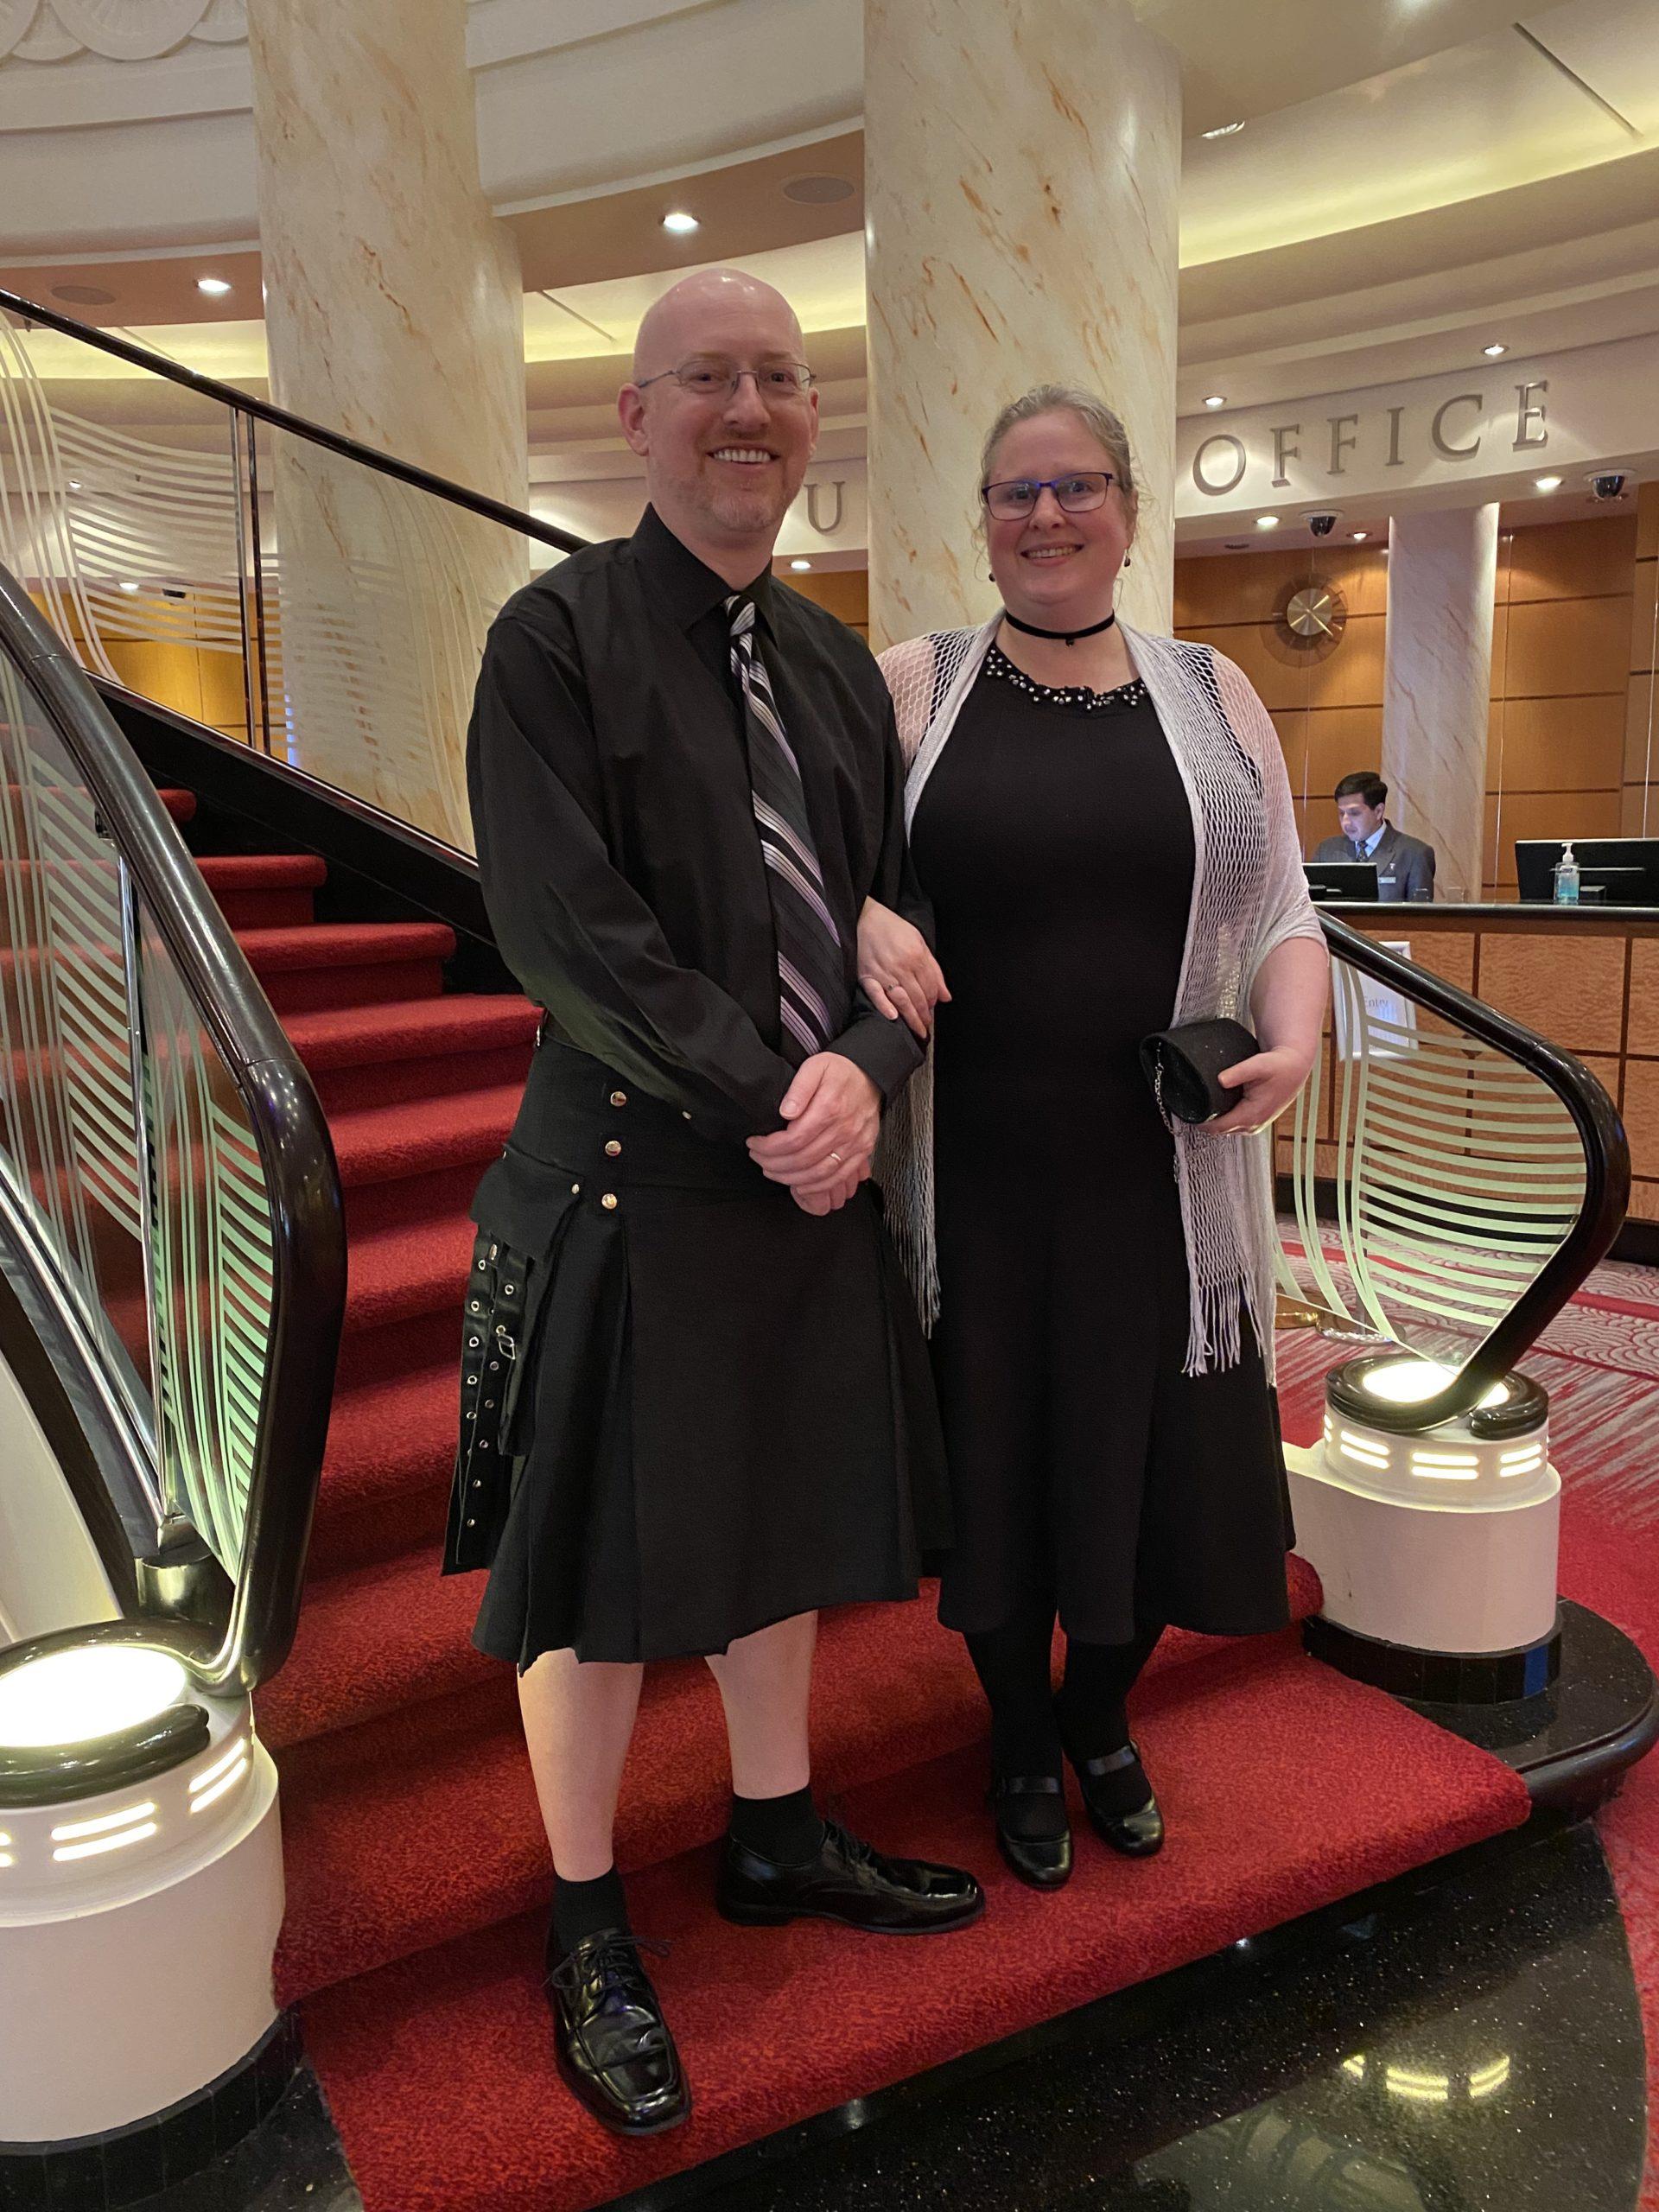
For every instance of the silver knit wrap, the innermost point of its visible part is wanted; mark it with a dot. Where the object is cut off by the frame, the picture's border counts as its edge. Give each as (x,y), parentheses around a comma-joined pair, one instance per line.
(1248,895)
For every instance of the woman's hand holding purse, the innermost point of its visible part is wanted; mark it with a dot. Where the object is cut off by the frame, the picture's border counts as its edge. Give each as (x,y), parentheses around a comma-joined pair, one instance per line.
(1266,1084)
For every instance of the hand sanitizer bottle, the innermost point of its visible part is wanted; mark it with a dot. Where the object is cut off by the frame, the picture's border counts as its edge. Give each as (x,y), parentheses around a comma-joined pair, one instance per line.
(1566,877)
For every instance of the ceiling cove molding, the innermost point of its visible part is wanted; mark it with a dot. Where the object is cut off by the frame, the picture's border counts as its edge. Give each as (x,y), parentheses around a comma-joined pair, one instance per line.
(34,31)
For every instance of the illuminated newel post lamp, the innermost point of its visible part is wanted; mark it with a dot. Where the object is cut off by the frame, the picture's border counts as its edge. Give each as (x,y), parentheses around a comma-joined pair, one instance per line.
(1436,1545)
(141,1888)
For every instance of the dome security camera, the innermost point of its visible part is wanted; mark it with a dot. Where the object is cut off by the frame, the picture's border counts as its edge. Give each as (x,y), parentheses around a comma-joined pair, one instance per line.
(1607,483)
(1322,525)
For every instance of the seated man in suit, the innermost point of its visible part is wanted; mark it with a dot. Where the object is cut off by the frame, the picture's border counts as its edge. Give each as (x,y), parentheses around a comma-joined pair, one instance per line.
(1405,865)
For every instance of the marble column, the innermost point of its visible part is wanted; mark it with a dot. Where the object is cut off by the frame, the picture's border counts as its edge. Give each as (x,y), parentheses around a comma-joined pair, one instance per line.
(394,312)
(1437,683)
(1022,172)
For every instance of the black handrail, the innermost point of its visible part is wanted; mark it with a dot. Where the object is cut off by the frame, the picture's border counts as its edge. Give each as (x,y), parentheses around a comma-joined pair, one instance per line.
(307,1224)
(1607,1174)
(262,410)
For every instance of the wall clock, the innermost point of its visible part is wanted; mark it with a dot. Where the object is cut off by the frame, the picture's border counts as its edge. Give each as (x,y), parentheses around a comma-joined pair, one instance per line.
(1314,617)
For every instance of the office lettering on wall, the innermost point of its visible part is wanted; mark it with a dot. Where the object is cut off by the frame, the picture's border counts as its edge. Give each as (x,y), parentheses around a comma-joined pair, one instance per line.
(1454,428)
(838,486)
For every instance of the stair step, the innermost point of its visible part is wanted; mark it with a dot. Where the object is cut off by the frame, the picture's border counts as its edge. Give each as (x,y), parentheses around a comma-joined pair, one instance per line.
(262,871)
(421,1825)
(181,805)
(1286,1789)
(391,1442)
(376,1144)
(352,1037)
(373,1640)
(423,1048)
(417,1268)
(348,963)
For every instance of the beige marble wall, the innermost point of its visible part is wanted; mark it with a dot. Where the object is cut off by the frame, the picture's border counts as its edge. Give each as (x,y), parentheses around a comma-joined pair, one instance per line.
(1022,171)
(394,312)
(1437,683)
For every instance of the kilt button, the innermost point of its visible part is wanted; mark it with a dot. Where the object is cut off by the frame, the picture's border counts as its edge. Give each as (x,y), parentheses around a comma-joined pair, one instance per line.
(576,1190)
(618,1098)
(612,1150)
(685,1114)
(609,1202)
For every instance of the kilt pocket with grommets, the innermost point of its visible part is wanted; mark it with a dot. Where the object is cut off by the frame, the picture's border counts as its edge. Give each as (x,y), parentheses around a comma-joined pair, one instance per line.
(531,1201)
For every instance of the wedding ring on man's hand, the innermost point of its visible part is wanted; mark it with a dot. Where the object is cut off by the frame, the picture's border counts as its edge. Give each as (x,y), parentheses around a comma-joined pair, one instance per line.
(835,1156)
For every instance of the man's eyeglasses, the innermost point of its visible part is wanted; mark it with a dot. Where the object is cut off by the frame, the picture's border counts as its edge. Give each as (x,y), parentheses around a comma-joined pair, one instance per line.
(1016,497)
(710,376)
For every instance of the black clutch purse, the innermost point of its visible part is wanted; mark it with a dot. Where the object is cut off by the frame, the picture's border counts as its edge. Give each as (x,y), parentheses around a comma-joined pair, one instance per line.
(1184,1066)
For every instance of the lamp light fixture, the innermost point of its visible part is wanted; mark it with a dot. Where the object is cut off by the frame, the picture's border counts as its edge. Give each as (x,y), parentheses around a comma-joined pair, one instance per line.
(78,1695)
(1215,399)
(1547,483)
(215,286)
(1492,351)
(679,222)
(1359,535)
(800,564)
(1266,522)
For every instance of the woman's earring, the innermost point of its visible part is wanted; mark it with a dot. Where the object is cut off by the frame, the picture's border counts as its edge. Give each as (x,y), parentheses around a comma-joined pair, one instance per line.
(1128,560)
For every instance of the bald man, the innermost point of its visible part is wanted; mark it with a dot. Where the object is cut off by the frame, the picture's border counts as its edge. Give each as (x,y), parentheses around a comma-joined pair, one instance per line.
(696,1406)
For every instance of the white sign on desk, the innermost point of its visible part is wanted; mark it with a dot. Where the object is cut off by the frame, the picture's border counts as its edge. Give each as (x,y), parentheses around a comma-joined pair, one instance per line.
(1384,1004)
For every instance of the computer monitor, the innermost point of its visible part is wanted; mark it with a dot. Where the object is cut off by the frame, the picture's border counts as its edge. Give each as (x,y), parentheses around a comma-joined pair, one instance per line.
(1355,880)
(1627,868)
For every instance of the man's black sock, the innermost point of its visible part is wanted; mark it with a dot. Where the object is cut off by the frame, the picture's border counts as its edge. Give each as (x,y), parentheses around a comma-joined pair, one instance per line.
(584,1909)
(786,1830)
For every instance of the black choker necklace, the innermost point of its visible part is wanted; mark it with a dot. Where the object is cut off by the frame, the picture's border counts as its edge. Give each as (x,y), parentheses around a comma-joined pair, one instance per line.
(1067,637)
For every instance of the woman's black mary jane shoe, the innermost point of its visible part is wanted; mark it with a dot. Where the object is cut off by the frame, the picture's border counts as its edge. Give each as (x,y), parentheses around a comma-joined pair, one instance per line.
(1042,1862)
(1136,1834)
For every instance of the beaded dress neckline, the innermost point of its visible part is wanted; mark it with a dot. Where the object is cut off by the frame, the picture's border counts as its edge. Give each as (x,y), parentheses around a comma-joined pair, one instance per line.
(1075,697)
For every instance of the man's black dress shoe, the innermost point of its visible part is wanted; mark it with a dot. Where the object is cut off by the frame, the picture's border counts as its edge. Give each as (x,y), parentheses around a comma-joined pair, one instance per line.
(1043,1861)
(610,2039)
(1136,1834)
(848,1881)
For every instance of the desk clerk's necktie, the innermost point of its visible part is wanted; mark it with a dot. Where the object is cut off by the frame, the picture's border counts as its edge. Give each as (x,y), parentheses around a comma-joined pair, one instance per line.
(812,966)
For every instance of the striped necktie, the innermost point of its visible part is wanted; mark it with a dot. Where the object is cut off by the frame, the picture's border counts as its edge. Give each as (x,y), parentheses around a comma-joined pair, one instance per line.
(813,996)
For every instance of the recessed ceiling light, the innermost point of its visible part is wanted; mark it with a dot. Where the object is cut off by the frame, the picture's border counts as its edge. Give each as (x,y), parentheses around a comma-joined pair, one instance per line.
(74,483)
(1359,535)
(215,286)
(1548,483)
(1215,399)
(1224,130)
(800,564)
(678,221)
(818,191)
(83,295)
(1266,522)
(129,586)
(1492,351)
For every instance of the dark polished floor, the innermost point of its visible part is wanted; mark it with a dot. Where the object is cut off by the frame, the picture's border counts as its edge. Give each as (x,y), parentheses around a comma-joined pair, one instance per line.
(1472,2043)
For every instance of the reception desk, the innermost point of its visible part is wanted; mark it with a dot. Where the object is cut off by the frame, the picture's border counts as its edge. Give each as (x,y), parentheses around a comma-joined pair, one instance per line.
(1586,977)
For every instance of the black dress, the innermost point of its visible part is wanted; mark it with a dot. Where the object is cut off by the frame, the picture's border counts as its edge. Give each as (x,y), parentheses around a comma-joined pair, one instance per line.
(1055,839)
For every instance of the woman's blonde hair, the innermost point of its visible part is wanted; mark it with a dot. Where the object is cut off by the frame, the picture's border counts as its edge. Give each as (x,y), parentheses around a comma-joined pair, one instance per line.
(1102,425)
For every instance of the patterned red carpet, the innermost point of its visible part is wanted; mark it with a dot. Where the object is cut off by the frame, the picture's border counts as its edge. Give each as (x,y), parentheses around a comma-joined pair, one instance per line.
(1600,1362)
(415,1866)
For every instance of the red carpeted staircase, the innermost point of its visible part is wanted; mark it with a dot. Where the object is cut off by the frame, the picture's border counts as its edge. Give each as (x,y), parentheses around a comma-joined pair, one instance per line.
(416,1869)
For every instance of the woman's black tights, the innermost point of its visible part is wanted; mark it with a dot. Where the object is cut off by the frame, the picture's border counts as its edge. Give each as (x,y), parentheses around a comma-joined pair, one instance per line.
(1031,1727)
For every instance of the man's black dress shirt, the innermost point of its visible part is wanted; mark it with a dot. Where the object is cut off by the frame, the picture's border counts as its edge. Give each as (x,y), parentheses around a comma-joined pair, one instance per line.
(617,844)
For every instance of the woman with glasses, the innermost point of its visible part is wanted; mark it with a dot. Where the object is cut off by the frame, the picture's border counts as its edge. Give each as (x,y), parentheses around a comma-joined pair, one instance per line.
(1103,823)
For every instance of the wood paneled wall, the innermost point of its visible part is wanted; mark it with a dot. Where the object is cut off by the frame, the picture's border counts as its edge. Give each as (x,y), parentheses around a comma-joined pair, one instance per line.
(1560,677)
(845,592)
(1564,730)
(1639,812)
(1326,704)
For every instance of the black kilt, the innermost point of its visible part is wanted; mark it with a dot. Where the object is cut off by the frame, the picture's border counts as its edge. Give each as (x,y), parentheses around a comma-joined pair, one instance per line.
(723,1414)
